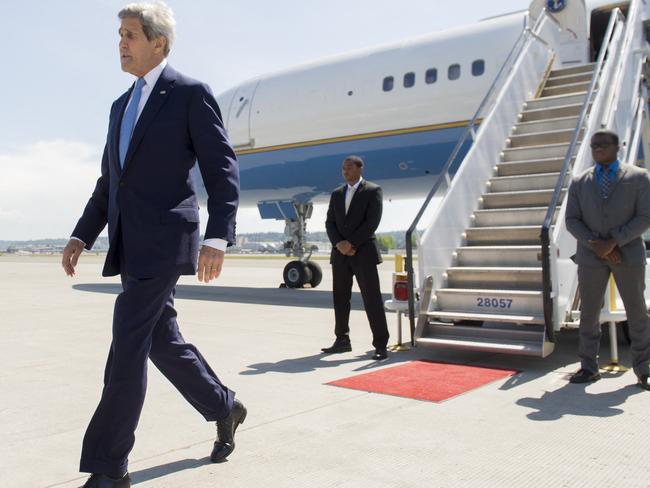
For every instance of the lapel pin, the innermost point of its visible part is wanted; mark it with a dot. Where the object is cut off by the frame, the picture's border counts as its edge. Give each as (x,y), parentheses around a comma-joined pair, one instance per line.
(163,92)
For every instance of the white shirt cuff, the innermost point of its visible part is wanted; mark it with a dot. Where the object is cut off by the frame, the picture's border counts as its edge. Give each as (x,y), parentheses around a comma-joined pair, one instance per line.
(219,244)
(77,239)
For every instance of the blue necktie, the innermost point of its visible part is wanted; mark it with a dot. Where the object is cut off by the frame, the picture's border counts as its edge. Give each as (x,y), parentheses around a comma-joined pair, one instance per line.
(605,184)
(128,121)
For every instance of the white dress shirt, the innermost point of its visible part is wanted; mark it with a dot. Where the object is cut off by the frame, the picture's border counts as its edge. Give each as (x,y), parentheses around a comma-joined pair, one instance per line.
(349,193)
(150,80)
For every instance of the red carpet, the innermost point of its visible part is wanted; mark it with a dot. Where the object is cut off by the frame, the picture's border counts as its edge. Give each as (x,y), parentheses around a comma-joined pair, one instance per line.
(424,380)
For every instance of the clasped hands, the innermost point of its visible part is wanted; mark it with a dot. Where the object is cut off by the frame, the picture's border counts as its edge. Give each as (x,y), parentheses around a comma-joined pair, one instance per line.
(346,248)
(607,250)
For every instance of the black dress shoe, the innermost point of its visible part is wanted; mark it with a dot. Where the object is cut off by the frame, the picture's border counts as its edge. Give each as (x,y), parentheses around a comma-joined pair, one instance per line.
(103,481)
(584,376)
(340,345)
(643,382)
(226,428)
(380,354)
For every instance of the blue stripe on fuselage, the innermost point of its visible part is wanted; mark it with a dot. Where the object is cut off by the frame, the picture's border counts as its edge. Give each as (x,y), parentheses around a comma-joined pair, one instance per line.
(405,165)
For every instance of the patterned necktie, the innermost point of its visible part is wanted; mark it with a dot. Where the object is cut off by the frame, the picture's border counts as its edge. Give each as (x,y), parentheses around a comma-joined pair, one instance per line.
(605,184)
(128,120)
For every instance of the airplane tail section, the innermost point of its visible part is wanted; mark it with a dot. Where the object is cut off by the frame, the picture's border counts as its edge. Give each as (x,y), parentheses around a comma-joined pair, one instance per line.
(494,262)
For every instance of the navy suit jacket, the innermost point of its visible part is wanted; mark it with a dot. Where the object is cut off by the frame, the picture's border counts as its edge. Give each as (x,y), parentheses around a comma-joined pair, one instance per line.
(151,205)
(358,226)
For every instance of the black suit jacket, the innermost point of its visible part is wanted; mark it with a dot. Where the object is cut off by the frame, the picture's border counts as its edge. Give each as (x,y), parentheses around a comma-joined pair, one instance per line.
(359,225)
(152,201)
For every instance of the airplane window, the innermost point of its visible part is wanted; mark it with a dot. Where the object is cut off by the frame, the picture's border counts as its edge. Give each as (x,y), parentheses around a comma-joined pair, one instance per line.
(409,80)
(478,67)
(388,83)
(453,73)
(431,75)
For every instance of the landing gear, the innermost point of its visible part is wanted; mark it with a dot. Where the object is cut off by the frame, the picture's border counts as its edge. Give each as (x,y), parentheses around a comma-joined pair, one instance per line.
(296,274)
(301,271)
(316,273)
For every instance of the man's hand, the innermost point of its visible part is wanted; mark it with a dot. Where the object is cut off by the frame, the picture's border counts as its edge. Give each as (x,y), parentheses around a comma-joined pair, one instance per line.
(71,253)
(602,248)
(615,257)
(345,248)
(210,263)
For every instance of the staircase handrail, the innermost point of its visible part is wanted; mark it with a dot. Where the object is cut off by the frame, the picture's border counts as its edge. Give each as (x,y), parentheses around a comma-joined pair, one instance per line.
(444,176)
(615,17)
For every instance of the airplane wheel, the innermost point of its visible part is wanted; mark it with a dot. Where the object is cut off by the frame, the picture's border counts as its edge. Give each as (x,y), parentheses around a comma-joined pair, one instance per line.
(316,273)
(296,274)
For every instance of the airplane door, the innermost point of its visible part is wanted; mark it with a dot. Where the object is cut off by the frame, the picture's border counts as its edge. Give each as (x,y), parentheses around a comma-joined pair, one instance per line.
(239,129)
(572,16)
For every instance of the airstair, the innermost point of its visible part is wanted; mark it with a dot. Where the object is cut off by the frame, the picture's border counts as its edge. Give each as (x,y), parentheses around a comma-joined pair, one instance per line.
(495,261)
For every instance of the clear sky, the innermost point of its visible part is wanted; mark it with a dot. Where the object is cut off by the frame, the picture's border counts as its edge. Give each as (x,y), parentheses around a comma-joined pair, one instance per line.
(61,73)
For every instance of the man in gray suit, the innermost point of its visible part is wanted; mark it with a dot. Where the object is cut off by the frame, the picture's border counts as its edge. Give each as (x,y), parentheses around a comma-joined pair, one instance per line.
(608,210)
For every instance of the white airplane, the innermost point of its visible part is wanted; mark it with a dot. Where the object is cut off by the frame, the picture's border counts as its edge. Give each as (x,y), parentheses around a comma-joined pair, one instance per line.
(402,107)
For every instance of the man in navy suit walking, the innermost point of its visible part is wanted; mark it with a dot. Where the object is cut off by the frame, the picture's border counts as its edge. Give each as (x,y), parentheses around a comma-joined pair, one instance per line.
(158,130)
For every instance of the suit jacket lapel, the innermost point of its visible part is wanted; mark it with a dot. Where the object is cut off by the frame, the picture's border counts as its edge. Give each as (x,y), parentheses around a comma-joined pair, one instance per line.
(340,201)
(159,94)
(619,176)
(594,183)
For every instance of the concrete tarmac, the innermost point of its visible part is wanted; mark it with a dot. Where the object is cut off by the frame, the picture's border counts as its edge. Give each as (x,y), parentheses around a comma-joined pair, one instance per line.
(533,429)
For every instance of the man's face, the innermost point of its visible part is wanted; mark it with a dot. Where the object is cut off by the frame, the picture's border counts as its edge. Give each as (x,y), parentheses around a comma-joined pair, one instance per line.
(603,149)
(138,55)
(351,172)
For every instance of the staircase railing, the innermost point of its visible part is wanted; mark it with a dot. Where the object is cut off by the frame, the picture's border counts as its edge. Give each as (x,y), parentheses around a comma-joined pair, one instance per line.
(487,106)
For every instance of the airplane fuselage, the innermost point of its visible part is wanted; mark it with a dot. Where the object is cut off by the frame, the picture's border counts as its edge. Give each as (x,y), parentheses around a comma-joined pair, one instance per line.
(401,107)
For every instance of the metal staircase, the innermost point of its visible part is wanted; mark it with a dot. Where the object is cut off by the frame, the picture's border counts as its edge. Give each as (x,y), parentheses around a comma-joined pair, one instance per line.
(497,275)
(494,262)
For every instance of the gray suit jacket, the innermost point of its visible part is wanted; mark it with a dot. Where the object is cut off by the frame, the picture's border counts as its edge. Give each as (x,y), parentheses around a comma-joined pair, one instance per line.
(624,216)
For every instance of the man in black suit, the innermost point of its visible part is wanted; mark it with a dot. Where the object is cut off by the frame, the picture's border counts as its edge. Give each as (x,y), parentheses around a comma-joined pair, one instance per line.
(157,131)
(353,216)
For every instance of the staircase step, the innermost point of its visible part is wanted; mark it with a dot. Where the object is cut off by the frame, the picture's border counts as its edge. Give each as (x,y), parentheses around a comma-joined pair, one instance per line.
(584,68)
(534,152)
(580,87)
(530,166)
(520,278)
(570,110)
(541,138)
(503,235)
(569,78)
(518,342)
(539,181)
(556,101)
(545,125)
(498,256)
(512,199)
(476,300)
(495,217)
(486,317)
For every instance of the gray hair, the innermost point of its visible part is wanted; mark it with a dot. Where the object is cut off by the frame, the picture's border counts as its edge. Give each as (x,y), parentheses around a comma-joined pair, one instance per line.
(157,20)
